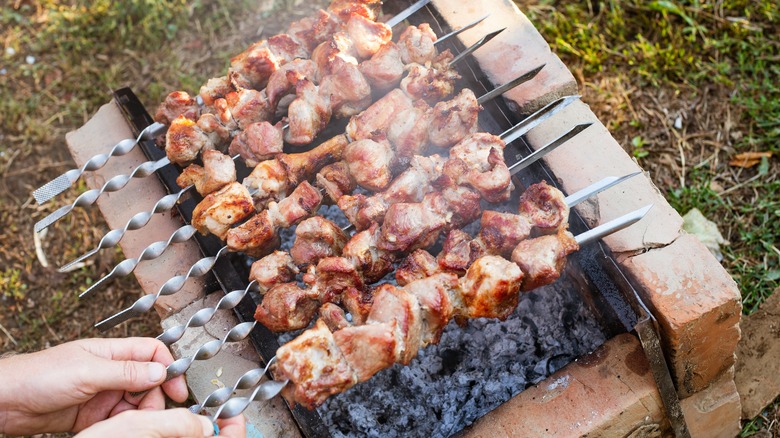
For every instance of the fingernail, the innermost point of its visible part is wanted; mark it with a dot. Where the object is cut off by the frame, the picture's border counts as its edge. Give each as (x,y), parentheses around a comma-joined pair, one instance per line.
(208,426)
(156,372)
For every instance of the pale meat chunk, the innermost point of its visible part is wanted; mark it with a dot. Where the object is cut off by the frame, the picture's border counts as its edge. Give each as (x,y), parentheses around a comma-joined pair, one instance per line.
(334,317)
(315,366)
(368,36)
(367,349)
(428,83)
(377,118)
(384,70)
(462,206)
(454,119)
(478,161)
(308,114)
(416,44)
(433,297)
(348,90)
(275,268)
(254,66)
(409,226)
(311,31)
(543,258)
(336,180)
(185,140)
(286,307)
(394,305)
(281,84)
(220,210)
(256,237)
(317,238)
(303,202)
(268,181)
(334,276)
(218,170)
(490,288)
(333,53)
(176,104)
(223,114)
(248,106)
(217,133)
(408,132)
(370,260)
(545,207)
(260,141)
(358,303)
(501,232)
(458,252)
(370,163)
(286,48)
(345,9)
(214,89)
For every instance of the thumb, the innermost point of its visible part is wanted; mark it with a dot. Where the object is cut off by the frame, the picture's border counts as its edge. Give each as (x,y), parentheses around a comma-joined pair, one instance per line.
(152,424)
(125,375)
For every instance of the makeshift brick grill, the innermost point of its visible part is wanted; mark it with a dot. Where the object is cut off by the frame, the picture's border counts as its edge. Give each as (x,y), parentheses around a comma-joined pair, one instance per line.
(593,299)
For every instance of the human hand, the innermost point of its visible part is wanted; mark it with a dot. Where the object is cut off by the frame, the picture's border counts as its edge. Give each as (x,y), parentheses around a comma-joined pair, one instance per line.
(74,385)
(164,424)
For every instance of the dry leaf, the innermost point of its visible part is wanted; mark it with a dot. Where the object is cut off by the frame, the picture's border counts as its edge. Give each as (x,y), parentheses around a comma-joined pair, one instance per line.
(748,159)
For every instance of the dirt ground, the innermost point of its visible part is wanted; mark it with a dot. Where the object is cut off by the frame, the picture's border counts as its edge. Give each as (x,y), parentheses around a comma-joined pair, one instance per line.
(49,87)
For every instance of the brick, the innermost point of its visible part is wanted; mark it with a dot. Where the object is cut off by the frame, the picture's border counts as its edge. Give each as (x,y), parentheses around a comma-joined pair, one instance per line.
(697,305)
(98,135)
(715,411)
(758,358)
(589,157)
(516,50)
(610,392)
(271,418)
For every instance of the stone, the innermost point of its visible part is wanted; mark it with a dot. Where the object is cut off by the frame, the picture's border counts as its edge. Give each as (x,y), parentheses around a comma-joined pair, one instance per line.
(98,135)
(714,411)
(516,50)
(610,392)
(758,358)
(698,307)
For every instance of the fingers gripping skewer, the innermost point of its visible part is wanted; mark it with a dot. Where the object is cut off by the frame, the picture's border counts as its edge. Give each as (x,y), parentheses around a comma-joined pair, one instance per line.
(66,180)
(249,379)
(268,390)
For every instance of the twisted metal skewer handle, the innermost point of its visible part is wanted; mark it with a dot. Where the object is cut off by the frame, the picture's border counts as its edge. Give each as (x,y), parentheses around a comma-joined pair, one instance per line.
(66,180)
(151,252)
(113,185)
(210,349)
(170,287)
(203,316)
(138,221)
(237,405)
(247,380)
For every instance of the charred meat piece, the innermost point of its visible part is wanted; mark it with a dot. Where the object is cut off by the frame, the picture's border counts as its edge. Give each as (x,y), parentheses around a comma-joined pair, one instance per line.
(335,275)
(309,113)
(336,180)
(416,266)
(454,119)
(370,260)
(542,259)
(458,252)
(333,53)
(176,104)
(260,141)
(428,83)
(501,232)
(218,170)
(317,238)
(334,317)
(254,66)
(275,268)
(416,44)
(286,307)
(384,70)
(376,119)
(220,210)
(370,163)
(185,140)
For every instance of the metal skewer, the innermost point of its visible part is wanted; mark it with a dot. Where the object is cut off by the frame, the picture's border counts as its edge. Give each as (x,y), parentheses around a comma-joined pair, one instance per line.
(66,180)
(270,389)
(247,380)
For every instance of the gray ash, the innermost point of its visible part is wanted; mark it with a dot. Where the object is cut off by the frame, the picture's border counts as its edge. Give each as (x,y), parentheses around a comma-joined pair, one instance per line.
(470,372)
